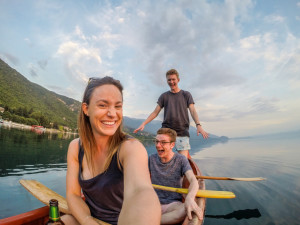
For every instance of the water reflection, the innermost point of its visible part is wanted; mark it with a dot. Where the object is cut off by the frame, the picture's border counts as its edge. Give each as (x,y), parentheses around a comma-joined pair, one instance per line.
(27,155)
(35,169)
(22,151)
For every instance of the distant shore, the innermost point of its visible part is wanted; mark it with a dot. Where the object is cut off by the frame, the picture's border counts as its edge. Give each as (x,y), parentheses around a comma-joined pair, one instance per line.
(11,124)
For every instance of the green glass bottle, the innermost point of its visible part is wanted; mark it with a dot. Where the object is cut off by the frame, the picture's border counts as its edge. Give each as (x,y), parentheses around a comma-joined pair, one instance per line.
(54,217)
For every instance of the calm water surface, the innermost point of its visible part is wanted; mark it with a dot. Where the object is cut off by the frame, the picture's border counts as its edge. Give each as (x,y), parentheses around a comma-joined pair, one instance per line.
(26,155)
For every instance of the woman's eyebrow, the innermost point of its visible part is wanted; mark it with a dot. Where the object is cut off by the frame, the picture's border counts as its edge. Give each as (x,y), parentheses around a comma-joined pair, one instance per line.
(106,101)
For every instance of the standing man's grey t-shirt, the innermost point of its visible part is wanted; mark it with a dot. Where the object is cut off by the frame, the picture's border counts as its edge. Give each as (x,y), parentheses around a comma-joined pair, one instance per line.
(176,114)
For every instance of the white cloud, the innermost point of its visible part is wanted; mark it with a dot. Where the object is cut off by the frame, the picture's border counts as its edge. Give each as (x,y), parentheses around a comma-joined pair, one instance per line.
(121,20)
(239,63)
(274,19)
(79,33)
(79,60)
(187,34)
(250,42)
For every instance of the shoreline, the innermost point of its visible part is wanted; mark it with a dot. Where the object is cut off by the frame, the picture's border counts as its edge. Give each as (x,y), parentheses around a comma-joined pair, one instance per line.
(11,124)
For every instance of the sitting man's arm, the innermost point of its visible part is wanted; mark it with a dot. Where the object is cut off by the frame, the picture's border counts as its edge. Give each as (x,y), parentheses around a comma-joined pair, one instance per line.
(190,204)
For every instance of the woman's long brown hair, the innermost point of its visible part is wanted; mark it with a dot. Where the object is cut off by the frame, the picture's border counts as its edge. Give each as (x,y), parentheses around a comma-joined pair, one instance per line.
(86,135)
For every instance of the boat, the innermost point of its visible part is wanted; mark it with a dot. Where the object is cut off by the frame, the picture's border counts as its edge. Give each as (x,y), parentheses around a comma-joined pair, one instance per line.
(201,202)
(34,217)
(40,216)
(38,129)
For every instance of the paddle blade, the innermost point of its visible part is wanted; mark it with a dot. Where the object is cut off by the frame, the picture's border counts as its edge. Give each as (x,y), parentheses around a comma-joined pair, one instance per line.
(200,193)
(44,194)
(248,179)
(231,178)
(215,194)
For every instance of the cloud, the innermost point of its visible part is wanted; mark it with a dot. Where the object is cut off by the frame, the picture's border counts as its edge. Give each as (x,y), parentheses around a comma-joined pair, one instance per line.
(274,19)
(240,62)
(188,34)
(265,54)
(42,64)
(80,61)
(56,88)
(11,58)
(32,70)
(243,108)
(262,105)
(29,42)
(79,33)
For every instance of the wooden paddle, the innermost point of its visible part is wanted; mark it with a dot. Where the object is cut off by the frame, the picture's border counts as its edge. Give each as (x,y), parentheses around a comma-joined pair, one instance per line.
(200,193)
(44,194)
(231,178)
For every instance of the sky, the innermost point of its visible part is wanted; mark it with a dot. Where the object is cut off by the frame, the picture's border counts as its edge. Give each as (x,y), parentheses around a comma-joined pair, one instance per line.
(240,59)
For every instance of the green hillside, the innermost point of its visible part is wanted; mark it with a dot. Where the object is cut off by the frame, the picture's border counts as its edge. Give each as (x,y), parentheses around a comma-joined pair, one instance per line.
(17,94)
(29,103)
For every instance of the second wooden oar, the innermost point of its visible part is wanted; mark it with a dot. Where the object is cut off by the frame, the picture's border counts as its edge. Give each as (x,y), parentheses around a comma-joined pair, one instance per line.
(44,194)
(231,178)
(200,193)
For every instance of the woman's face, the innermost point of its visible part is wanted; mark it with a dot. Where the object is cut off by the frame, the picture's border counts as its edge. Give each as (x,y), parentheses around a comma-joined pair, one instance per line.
(105,110)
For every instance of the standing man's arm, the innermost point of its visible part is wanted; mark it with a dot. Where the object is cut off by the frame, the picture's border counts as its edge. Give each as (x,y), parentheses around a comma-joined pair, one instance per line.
(196,120)
(190,204)
(149,119)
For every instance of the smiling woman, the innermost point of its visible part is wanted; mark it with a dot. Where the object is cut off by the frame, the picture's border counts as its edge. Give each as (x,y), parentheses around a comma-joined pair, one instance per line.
(105,160)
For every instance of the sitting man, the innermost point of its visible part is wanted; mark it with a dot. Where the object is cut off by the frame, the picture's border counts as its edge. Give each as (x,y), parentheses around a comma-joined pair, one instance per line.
(168,168)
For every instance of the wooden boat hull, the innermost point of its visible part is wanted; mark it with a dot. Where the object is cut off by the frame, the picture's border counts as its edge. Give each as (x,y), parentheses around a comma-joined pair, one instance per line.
(200,201)
(40,216)
(34,217)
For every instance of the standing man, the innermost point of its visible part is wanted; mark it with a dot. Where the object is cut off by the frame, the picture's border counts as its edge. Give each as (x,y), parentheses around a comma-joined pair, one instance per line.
(176,103)
(165,163)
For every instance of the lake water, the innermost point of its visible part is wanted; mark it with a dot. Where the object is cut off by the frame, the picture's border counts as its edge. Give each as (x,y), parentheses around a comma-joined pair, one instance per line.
(27,155)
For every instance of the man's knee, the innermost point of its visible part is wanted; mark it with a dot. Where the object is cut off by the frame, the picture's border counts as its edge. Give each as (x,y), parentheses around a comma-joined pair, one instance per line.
(175,214)
(180,213)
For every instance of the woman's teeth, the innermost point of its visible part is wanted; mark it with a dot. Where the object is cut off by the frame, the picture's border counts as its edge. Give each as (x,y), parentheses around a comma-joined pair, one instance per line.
(109,123)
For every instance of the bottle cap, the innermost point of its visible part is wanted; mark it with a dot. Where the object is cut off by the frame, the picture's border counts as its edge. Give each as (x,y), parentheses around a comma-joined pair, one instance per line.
(53,202)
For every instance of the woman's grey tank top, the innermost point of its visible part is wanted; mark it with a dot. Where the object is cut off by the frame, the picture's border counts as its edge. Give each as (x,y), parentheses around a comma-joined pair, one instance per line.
(104,192)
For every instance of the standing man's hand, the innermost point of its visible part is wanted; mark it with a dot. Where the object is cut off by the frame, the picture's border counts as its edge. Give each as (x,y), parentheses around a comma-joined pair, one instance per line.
(201,131)
(141,127)
(196,119)
(149,119)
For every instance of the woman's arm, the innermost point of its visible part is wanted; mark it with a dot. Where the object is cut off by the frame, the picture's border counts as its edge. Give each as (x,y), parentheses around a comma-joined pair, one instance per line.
(76,204)
(141,204)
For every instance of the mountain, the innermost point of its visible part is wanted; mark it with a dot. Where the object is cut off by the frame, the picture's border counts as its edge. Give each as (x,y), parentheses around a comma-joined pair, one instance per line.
(154,125)
(278,135)
(19,95)
(16,92)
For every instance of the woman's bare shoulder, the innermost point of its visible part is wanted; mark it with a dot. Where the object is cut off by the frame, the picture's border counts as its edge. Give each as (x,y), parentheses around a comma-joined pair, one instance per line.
(132,142)
(74,142)
(74,147)
(132,146)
